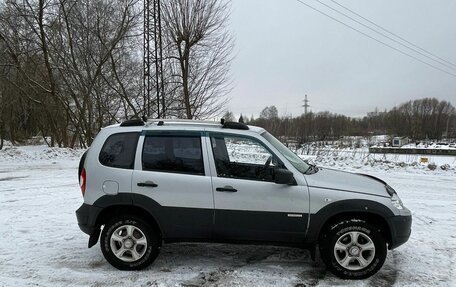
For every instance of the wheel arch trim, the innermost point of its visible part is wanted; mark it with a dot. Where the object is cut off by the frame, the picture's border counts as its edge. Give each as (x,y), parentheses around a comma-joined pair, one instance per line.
(360,207)
(136,203)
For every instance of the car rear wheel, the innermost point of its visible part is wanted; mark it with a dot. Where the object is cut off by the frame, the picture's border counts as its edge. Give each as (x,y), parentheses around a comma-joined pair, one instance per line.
(353,249)
(129,243)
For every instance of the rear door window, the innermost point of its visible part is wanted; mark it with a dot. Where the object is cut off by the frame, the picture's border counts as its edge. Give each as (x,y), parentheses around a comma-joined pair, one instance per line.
(173,153)
(119,150)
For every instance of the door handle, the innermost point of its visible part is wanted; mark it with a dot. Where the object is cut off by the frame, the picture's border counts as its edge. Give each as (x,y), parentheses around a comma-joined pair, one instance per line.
(226,188)
(147,184)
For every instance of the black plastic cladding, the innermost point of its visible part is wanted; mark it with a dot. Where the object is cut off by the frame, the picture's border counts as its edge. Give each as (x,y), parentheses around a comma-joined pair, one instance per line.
(132,123)
(235,125)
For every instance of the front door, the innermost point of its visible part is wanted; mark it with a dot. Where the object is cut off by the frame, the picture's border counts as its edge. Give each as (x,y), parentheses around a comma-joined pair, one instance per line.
(249,205)
(171,174)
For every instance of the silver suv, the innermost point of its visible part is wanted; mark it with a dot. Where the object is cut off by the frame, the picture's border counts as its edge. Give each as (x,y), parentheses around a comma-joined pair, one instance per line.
(154,182)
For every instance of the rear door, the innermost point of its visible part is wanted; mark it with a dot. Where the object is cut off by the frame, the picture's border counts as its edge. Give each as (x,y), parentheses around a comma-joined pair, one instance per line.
(248,204)
(171,171)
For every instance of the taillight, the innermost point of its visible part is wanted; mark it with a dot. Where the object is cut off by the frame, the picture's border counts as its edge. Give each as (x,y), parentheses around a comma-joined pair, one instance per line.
(82,181)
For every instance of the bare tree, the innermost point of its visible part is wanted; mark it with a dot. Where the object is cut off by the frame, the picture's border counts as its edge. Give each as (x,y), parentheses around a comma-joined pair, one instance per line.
(199,48)
(77,60)
(228,116)
(269,113)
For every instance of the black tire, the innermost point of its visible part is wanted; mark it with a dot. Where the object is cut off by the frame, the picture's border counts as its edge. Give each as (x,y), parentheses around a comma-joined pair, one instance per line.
(149,250)
(342,232)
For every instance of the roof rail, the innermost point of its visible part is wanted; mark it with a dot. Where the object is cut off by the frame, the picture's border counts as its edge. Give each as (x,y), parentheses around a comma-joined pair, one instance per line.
(234,125)
(162,122)
(132,123)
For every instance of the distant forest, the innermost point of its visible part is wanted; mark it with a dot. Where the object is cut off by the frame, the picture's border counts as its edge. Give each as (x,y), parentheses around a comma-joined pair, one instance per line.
(420,119)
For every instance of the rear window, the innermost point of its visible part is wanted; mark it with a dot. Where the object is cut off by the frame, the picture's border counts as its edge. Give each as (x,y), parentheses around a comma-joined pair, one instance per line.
(178,154)
(119,150)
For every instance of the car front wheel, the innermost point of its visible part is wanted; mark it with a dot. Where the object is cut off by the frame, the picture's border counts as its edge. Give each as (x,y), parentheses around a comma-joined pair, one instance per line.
(353,249)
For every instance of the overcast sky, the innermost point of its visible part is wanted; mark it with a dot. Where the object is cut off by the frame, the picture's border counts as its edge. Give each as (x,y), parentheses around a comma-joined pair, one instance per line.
(285,50)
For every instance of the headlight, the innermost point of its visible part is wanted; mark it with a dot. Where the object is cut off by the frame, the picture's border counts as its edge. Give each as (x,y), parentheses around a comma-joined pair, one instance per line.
(396,201)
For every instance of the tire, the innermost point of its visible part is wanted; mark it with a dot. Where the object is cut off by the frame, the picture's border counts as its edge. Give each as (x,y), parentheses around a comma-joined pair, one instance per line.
(134,241)
(353,249)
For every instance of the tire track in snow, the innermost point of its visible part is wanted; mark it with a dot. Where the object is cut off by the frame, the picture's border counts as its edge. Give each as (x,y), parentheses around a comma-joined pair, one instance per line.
(387,275)
(205,279)
(10,178)
(312,276)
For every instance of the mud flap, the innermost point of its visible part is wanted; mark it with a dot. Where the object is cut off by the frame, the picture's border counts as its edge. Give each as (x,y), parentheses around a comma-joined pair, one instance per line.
(93,239)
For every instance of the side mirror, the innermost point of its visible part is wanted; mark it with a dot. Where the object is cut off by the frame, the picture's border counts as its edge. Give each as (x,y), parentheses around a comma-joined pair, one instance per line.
(283,176)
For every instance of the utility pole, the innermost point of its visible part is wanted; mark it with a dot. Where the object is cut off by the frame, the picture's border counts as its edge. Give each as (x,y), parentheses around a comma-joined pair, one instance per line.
(306,105)
(153,31)
(146,60)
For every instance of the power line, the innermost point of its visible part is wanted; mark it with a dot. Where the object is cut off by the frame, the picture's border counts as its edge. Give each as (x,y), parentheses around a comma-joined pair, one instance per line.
(386,36)
(375,39)
(388,31)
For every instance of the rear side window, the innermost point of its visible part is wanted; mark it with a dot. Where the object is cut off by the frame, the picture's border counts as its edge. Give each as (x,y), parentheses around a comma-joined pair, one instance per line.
(119,150)
(178,154)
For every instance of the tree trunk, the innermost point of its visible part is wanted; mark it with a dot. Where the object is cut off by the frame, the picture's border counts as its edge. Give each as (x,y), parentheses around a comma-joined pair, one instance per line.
(2,135)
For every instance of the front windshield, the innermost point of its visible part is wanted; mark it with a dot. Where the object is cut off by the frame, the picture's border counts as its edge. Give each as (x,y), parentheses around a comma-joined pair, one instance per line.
(295,160)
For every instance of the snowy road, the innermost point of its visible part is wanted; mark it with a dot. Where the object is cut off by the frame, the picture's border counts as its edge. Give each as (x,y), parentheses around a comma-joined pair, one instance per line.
(41,244)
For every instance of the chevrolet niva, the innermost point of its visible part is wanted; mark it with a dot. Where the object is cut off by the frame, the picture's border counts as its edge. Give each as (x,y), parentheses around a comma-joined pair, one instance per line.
(146,183)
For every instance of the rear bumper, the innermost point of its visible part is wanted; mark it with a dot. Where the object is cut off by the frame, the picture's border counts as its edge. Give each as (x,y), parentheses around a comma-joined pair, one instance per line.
(401,228)
(87,216)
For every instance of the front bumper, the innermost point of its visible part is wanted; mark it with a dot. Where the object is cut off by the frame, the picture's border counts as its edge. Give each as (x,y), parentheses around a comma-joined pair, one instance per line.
(401,228)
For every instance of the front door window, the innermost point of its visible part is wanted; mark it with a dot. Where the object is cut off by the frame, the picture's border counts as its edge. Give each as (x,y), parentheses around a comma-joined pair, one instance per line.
(243,158)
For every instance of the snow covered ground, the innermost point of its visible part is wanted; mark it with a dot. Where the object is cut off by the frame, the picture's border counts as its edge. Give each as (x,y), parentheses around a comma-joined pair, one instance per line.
(41,244)
(332,156)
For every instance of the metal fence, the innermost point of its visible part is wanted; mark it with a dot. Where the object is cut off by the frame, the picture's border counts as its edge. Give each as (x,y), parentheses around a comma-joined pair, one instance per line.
(423,151)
